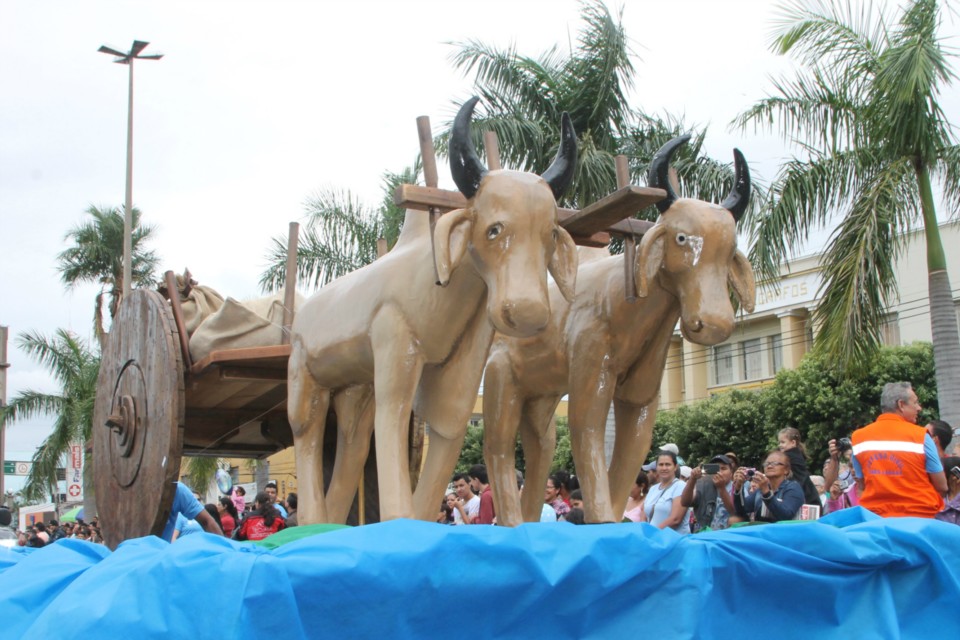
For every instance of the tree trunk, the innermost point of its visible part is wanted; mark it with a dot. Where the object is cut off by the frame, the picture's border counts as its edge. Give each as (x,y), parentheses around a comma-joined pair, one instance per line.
(943,314)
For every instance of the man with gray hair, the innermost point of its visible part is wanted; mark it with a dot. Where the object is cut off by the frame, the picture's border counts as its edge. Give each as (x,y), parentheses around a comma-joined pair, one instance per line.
(895,461)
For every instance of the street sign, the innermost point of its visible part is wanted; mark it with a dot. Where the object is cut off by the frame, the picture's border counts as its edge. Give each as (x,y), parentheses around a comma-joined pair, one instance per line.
(15,468)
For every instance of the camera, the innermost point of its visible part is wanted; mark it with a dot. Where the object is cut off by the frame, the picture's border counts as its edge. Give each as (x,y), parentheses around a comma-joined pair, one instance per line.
(750,471)
(956,472)
(844,445)
(711,468)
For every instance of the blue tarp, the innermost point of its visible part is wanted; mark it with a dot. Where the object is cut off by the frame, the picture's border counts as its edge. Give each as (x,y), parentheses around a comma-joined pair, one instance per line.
(850,575)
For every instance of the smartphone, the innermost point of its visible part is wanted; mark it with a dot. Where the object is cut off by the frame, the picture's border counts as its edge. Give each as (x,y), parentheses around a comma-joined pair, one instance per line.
(955,471)
(710,469)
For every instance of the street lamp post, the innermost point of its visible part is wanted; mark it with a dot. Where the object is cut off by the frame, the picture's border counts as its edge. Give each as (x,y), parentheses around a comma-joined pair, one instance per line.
(127,59)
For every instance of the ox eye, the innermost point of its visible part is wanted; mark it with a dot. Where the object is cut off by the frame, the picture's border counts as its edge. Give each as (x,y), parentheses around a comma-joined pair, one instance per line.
(681,239)
(494,230)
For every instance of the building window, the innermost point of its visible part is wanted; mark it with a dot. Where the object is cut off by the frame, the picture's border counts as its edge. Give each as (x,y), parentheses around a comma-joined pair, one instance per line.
(724,364)
(752,359)
(890,330)
(776,353)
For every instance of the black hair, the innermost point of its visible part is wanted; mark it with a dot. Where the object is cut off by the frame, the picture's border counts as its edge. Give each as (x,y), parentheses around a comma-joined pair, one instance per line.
(462,476)
(212,510)
(265,509)
(576,494)
(479,471)
(230,507)
(5,516)
(270,485)
(292,501)
(642,480)
(575,516)
(943,432)
(949,463)
(556,480)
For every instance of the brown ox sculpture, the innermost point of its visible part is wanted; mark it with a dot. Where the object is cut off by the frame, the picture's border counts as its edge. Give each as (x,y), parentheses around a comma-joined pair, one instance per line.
(601,348)
(385,340)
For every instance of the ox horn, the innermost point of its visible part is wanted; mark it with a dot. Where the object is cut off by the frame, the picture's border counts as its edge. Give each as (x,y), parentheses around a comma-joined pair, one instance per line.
(560,173)
(658,174)
(736,202)
(465,165)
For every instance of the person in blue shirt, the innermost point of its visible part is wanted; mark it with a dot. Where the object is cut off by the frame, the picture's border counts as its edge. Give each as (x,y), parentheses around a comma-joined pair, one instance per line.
(773,496)
(271,491)
(185,503)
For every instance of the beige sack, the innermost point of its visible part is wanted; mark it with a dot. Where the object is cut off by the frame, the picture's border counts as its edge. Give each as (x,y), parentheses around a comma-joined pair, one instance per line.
(238,325)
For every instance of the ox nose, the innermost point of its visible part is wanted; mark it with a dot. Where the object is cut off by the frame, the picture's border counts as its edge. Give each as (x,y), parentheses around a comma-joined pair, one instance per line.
(696,326)
(526,318)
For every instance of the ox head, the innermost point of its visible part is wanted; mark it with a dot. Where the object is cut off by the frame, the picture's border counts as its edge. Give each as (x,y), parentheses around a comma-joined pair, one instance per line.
(510,230)
(693,250)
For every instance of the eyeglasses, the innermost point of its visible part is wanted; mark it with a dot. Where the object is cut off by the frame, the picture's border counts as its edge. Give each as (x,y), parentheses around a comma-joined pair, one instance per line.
(772,464)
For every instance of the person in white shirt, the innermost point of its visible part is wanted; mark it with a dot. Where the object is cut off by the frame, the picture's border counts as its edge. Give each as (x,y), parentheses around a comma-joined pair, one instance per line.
(468,504)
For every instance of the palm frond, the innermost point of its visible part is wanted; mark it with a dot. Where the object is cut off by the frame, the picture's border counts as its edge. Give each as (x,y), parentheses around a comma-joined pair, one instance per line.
(831,33)
(815,108)
(340,236)
(859,280)
(946,169)
(802,198)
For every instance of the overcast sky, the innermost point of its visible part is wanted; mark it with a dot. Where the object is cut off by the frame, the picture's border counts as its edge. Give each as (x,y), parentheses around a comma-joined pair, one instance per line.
(257,105)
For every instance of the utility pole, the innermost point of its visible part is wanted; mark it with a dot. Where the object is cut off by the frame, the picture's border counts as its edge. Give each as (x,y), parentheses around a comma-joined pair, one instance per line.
(4,365)
(127,59)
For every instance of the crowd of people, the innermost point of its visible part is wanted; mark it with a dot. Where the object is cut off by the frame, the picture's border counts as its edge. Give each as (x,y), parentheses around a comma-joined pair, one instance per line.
(893,467)
(40,534)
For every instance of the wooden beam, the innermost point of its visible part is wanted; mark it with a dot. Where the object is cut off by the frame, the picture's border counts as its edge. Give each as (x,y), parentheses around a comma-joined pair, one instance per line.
(629,240)
(290,281)
(622,203)
(252,373)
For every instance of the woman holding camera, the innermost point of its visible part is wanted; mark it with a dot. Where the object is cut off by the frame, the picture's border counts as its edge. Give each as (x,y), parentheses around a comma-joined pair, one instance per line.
(773,496)
(841,485)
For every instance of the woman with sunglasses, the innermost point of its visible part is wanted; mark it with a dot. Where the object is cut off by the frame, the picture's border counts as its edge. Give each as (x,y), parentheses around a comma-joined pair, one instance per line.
(774,495)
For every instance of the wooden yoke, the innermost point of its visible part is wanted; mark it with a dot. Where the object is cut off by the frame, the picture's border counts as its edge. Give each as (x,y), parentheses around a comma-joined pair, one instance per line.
(590,226)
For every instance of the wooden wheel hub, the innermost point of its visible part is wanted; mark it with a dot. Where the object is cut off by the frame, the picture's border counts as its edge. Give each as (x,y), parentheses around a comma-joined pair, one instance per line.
(127,432)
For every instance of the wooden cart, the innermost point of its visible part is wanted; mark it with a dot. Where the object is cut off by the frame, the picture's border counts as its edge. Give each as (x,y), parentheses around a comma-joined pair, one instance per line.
(154,404)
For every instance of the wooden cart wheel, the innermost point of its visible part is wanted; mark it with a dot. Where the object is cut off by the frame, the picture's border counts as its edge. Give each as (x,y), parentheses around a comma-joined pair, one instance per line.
(138,420)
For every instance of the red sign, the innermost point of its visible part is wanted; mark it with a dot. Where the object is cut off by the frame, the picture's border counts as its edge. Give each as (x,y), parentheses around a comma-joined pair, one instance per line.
(76,457)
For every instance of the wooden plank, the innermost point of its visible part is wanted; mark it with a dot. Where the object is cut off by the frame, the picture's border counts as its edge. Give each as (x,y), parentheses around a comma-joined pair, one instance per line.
(414,196)
(280,351)
(290,281)
(253,373)
(629,240)
(620,204)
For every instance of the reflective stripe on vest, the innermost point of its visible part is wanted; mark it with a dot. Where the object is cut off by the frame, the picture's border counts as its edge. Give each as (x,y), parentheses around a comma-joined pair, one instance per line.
(888,445)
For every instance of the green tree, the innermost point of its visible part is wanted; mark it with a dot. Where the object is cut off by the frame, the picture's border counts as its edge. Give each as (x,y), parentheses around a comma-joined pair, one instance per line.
(96,255)
(340,235)
(815,398)
(74,366)
(522,98)
(865,111)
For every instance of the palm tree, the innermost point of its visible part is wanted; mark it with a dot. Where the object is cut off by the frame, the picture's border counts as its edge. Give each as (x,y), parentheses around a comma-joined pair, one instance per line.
(522,98)
(74,366)
(340,235)
(96,255)
(864,109)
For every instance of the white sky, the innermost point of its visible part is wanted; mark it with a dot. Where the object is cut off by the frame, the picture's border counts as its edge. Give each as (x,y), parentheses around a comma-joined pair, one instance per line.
(257,105)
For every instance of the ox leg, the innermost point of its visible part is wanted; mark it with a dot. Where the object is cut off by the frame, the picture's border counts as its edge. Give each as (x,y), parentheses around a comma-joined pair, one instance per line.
(631,445)
(446,399)
(307,404)
(502,407)
(591,390)
(398,366)
(538,431)
(354,408)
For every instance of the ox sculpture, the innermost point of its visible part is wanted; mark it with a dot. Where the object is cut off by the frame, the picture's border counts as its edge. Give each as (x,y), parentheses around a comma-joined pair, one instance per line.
(601,348)
(385,340)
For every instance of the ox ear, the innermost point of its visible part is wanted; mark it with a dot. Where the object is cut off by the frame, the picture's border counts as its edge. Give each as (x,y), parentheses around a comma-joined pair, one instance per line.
(450,238)
(742,280)
(649,258)
(563,264)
